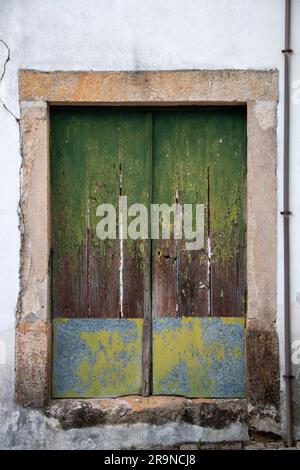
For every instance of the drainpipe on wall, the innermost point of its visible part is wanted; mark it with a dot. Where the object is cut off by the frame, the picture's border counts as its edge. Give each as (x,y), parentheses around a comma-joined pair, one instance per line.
(286,230)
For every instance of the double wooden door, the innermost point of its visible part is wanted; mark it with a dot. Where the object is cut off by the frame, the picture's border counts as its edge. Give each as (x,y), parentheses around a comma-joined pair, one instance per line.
(146,315)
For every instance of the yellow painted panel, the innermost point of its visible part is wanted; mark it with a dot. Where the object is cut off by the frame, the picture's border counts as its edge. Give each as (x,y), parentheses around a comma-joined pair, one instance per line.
(198,357)
(95,357)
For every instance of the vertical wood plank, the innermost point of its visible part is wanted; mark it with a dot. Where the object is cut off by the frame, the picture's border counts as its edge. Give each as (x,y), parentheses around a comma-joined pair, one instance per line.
(135,135)
(227,165)
(103,188)
(180,283)
(147,371)
(164,252)
(68,212)
(191,167)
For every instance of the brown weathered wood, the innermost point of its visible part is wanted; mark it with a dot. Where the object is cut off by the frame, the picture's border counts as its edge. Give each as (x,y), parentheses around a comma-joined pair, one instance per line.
(164,294)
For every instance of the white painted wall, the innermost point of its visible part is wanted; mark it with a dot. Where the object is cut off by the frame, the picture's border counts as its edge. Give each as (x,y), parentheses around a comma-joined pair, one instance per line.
(134,35)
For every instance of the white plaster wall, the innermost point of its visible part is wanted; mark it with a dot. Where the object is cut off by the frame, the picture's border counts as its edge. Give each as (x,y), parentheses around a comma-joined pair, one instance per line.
(130,35)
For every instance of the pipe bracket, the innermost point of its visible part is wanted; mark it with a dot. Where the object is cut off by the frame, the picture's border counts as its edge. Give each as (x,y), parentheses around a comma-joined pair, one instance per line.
(286,213)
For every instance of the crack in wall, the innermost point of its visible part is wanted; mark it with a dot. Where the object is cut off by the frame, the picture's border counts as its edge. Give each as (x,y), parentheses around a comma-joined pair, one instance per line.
(19,208)
(2,77)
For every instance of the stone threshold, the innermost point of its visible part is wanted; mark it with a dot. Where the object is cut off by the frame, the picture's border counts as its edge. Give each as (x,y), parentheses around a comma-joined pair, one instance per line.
(155,410)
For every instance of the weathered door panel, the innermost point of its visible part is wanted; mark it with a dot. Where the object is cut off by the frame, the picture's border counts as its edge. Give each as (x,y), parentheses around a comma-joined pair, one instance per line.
(96,156)
(200,157)
(135,167)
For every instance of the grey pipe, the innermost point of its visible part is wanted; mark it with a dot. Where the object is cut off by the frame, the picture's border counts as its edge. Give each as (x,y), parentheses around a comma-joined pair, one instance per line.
(286,230)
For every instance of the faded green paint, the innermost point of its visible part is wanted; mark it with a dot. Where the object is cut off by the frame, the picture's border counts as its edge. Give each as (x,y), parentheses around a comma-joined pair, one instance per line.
(180,283)
(96,156)
(227,173)
(199,157)
(69,212)
(187,155)
(227,147)
(135,166)
(95,357)
(198,357)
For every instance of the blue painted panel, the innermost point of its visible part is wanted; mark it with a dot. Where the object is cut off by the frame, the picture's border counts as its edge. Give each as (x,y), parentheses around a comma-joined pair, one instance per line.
(198,357)
(193,357)
(95,357)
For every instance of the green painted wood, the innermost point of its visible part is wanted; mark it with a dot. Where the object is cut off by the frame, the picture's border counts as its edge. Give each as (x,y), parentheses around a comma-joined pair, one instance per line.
(69,213)
(103,187)
(191,168)
(164,252)
(160,156)
(96,156)
(135,137)
(200,156)
(227,191)
(180,277)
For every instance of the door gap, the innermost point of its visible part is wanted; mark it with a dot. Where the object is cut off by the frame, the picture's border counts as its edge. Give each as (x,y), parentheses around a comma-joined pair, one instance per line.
(209,251)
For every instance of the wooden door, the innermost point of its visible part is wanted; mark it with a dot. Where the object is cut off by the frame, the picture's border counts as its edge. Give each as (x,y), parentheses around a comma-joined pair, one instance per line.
(97,302)
(147,316)
(199,156)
